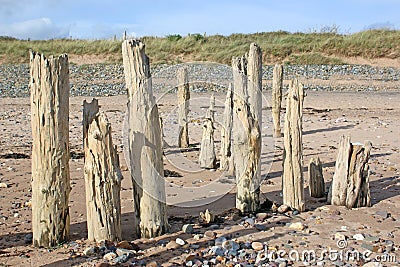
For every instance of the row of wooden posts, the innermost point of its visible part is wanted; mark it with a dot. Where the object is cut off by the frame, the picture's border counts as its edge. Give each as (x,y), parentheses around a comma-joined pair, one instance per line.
(240,148)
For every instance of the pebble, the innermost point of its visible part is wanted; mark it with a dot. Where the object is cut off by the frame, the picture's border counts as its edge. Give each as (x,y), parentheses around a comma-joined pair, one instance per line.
(340,236)
(121,259)
(124,244)
(261,216)
(152,264)
(257,246)
(260,227)
(122,251)
(103,264)
(94,79)
(90,251)
(217,251)
(187,228)
(230,245)
(28,238)
(214,227)
(172,245)
(3,185)
(109,256)
(383,214)
(249,222)
(219,241)
(358,237)
(210,234)
(180,241)
(197,237)
(299,226)
(283,208)
(371,239)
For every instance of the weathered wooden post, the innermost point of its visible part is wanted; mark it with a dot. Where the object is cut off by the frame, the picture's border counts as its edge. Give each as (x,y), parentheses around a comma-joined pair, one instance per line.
(316,178)
(350,183)
(277,83)
(246,146)
(102,176)
(49,86)
(293,180)
(145,145)
(254,84)
(226,162)
(207,157)
(183,107)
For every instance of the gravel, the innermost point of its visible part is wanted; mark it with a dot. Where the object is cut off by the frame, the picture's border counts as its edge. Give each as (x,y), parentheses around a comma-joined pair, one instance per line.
(108,79)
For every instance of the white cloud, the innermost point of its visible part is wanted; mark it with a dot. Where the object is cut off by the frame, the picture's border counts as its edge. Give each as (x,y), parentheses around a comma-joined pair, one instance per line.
(42,28)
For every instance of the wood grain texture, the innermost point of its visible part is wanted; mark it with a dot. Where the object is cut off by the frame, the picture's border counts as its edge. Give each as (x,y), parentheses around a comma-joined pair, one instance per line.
(145,144)
(183,107)
(49,86)
(293,179)
(102,176)
(246,142)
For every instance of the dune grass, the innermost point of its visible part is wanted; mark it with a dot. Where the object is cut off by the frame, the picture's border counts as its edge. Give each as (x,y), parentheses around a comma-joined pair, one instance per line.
(290,48)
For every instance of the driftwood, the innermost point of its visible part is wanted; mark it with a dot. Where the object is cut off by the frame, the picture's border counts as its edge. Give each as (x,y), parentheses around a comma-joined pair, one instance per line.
(350,183)
(316,179)
(183,107)
(145,144)
(277,98)
(102,176)
(246,146)
(207,157)
(49,86)
(293,180)
(226,161)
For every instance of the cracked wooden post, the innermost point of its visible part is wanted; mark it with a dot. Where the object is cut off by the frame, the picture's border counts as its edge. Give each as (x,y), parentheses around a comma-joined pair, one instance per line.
(226,162)
(254,89)
(207,157)
(145,144)
(350,183)
(246,146)
(254,85)
(316,178)
(49,86)
(293,180)
(277,84)
(102,176)
(183,107)
(338,190)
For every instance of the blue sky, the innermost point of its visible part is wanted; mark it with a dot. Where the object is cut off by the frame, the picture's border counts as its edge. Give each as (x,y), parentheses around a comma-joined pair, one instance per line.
(96,19)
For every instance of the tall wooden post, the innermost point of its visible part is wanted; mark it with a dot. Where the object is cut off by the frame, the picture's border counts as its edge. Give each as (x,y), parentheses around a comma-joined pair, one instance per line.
(183,107)
(350,183)
(246,142)
(277,83)
(293,180)
(102,176)
(226,162)
(207,157)
(316,179)
(49,86)
(145,145)
(254,85)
